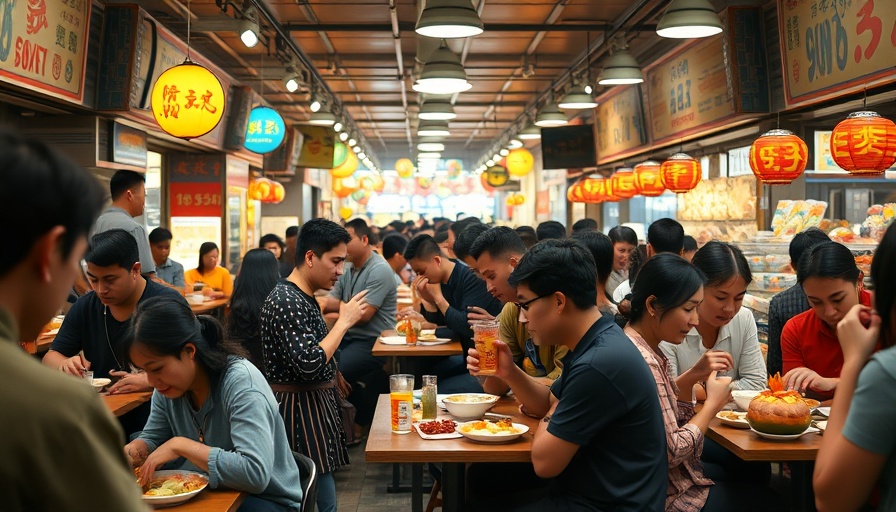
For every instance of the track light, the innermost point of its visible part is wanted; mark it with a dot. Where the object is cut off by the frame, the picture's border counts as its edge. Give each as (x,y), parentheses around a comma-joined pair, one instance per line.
(343,136)
(337,127)
(291,81)
(352,142)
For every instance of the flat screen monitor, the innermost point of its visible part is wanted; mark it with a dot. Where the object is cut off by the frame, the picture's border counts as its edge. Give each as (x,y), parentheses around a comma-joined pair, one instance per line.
(568,147)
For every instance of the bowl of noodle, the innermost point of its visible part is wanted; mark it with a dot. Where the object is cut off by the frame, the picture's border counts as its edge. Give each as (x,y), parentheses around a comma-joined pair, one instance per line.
(173,487)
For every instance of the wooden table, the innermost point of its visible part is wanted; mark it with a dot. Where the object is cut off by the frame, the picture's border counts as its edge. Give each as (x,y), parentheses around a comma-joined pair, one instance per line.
(799,453)
(213,500)
(452,348)
(384,446)
(123,403)
(208,305)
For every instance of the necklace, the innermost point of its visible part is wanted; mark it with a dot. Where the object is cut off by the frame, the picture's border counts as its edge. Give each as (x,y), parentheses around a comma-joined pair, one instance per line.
(198,428)
(108,340)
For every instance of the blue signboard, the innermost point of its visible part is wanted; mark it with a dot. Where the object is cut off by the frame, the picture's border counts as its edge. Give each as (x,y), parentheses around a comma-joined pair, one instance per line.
(265,130)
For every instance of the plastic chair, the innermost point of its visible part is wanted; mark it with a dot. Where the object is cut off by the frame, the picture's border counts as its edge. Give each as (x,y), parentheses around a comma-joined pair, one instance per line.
(307,480)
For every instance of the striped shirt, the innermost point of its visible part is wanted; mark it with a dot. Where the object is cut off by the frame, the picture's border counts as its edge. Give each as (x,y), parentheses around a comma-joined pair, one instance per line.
(687,489)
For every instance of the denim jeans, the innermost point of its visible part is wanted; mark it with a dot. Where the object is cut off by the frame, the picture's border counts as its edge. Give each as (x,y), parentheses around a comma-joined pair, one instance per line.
(326,493)
(255,504)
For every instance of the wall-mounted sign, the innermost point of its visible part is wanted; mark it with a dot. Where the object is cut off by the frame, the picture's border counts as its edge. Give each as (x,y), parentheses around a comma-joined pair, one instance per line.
(833,47)
(823,159)
(620,123)
(318,147)
(568,147)
(43,46)
(195,184)
(283,160)
(265,130)
(128,145)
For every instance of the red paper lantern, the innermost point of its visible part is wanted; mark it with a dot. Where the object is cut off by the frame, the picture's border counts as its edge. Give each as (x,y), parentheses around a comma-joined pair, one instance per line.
(649,179)
(341,189)
(597,189)
(623,182)
(575,193)
(778,157)
(864,143)
(681,173)
(483,178)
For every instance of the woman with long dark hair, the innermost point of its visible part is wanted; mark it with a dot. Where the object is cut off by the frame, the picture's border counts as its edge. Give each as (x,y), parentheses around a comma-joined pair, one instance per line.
(215,278)
(212,411)
(258,276)
(857,449)
(810,348)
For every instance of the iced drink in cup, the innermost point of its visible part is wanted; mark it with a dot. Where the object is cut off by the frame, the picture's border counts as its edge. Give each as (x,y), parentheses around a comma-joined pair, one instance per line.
(485,333)
(401,388)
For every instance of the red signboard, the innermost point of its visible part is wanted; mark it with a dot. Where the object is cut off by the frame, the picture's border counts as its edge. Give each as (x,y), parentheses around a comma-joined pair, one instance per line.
(196,184)
(195,199)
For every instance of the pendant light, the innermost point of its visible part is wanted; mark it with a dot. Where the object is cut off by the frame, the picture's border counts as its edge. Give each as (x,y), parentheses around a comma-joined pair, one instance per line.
(443,73)
(430,144)
(433,129)
(550,116)
(531,132)
(322,117)
(577,99)
(449,19)
(437,110)
(689,19)
(515,143)
(621,69)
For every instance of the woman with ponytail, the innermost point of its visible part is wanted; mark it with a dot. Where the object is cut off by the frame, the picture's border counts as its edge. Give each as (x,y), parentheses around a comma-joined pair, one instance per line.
(212,410)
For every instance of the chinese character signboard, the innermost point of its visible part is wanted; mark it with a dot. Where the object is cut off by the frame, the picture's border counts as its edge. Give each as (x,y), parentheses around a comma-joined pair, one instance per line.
(265,130)
(43,45)
(620,124)
(195,185)
(318,147)
(128,145)
(829,47)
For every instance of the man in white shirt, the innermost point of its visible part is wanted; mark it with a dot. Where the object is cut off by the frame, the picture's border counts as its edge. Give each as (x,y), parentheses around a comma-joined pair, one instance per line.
(664,235)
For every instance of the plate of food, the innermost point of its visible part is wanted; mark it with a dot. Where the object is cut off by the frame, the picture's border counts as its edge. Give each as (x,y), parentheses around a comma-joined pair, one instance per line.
(393,340)
(173,487)
(435,429)
(735,419)
(785,437)
(500,431)
(431,339)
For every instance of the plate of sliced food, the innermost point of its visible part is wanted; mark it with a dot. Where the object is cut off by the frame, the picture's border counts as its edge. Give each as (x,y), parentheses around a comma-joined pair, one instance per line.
(486,431)
(173,487)
(735,419)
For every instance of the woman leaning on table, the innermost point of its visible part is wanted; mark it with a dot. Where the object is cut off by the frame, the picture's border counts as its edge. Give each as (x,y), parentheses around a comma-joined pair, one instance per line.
(216,278)
(212,411)
(858,449)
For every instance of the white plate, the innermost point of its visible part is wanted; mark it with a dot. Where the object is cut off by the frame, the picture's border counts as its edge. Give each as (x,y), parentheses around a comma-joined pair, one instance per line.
(787,437)
(437,341)
(741,422)
(430,437)
(494,438)
(821,425)
(167,501)
(824,411)
(428,332)
(393,340)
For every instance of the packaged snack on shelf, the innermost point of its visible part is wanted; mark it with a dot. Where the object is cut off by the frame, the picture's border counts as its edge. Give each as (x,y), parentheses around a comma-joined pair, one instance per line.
(791,217)
(879,219)
(842,235)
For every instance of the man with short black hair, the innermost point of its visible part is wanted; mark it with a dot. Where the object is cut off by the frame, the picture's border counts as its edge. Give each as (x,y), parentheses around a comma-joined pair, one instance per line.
(393,253)
(791,301)
(465,240)
(458,227)
(62,449)
(663,235)
(602,442)
(584,225)
(550,230)
(528,235)
(289,254)
(169,272)
(128,190)
(689,247)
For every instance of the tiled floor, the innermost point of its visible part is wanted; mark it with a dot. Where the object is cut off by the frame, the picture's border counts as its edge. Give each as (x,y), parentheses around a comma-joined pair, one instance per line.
(361,487)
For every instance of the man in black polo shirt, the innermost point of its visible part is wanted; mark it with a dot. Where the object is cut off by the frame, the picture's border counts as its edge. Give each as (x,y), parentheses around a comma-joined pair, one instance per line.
(602,441)
(99,320)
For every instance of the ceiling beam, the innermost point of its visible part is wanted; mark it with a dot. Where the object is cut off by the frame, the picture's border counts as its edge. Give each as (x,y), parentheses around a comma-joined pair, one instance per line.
(489,27)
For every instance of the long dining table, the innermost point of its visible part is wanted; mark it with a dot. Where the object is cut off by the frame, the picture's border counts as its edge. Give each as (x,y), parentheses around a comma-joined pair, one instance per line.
(454,454)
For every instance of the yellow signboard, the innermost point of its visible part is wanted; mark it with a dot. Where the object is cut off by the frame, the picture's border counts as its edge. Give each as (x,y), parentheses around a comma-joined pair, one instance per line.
(43,45)
(688,89)
(620,123)
(829,47)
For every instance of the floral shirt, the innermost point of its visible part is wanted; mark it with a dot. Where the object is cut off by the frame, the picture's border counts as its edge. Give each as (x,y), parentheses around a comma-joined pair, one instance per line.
(688,488)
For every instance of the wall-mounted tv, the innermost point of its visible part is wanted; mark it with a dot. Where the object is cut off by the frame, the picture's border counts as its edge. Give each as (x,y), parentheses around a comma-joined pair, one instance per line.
(568,147)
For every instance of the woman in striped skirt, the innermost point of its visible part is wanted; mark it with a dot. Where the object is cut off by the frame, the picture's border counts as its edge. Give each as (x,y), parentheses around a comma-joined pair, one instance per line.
(298,351)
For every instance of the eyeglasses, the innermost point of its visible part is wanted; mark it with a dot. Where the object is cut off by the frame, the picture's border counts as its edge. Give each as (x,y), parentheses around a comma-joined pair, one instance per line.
(525,305)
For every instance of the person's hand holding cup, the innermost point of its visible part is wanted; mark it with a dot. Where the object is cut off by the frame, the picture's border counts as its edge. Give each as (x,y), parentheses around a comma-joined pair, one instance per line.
(504,359)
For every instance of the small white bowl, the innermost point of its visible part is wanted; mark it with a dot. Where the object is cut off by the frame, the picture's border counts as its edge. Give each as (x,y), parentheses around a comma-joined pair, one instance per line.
(743,397)
(196,298)
(469,405)
(99,384)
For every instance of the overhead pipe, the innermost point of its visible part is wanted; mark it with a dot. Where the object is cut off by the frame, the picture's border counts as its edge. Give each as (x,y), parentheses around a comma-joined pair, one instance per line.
(399,58)
(489,27)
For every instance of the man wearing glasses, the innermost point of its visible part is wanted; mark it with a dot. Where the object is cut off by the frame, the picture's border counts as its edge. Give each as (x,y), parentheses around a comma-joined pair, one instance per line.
(496,253)
(601,442)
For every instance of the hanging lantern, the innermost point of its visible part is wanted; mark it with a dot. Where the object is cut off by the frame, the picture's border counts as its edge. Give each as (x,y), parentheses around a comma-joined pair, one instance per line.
(483,178)
(404,167)
(260,188)
(378,182)
(519,162)
(519,199)
(510,201)
(276,195)
(188,101)
(496,175)
(364,199)
(348,166)
(341,189)
(424,182)
(778,157)
(454,168)
(345,212)
(649,179)
(575,193)
(597,189)
(681,173)
(340,153)
(264,131)
(864,143)
(623,182)
(366,183)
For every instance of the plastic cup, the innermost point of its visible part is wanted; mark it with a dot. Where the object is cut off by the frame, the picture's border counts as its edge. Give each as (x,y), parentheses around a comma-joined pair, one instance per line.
(428,400)
(485,333)
(401,389)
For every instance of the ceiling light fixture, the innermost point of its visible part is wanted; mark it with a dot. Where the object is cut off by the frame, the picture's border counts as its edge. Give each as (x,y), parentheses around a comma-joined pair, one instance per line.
(322,118)
(437,110)
(432,155)
(356,149)
(449,19)
(621,69)
(504,152)
(352,142)
(550,116)
(247,27)
(577,99)
(515,143)
(291,81)
(433,129)
(429,144)
(362,155)
(443,73)
(337,127)
(689,19)
(489,163)
(530,132)
(315,104)
(343,136)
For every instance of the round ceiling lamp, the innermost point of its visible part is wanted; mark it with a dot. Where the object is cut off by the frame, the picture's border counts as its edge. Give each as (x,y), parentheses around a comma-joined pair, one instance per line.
(531,132)
(577,99)
(322,118)
(179,110)
(443,73)
(437,110)
(550,116)
(427,144)
(433,129)
(621,69)
(689,19)
(449,19)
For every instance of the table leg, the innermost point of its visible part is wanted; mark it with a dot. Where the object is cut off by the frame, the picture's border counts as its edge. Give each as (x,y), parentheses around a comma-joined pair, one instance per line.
(417,487)
(453,499)
(803,498)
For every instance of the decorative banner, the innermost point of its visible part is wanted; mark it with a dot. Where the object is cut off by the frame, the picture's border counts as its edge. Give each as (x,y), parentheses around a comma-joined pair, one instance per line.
(265,130)
(318,147)
(43,46)
(195,184)
(831,48)
(620,124)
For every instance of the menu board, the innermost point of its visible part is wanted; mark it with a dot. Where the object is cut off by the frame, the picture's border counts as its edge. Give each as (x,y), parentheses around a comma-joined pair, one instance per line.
(620,123)
(195,184)
(832,47)
(43,45)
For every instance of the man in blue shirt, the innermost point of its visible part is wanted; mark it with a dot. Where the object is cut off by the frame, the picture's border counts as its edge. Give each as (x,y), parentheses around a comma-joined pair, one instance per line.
(601,442)
(170,272)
